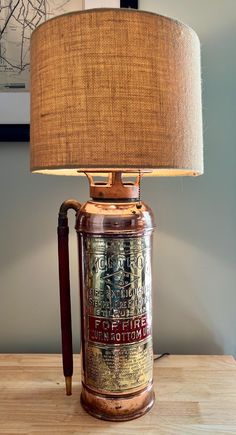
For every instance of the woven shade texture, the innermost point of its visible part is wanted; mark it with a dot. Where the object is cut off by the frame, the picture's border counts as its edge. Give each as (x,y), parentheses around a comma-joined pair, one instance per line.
(115,89)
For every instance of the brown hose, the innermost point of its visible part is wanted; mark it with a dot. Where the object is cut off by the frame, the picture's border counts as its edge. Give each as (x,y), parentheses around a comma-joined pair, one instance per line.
(64,281)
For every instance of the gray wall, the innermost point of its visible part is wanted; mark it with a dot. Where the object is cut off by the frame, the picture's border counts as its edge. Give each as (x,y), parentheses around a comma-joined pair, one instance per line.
(194,284)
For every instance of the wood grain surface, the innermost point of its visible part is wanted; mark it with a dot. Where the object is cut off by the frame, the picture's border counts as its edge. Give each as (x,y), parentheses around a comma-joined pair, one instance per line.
(194,395)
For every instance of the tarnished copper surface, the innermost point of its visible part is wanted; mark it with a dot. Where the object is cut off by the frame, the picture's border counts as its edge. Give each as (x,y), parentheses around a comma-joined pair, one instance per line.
(122,408)
(114,186)
(115,283)
(121,218)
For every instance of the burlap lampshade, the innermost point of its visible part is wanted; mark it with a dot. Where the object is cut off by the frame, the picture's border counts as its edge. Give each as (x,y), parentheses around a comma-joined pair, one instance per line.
(115,89)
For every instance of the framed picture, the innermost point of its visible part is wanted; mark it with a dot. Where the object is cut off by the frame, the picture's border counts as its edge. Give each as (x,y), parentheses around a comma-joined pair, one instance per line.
(14,116)
(18,19)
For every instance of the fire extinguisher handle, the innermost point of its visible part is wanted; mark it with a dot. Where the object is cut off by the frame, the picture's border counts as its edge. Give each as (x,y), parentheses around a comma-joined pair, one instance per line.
(64,284)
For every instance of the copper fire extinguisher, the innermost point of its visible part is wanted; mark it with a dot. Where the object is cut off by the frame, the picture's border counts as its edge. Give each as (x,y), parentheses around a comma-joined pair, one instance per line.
(115,242)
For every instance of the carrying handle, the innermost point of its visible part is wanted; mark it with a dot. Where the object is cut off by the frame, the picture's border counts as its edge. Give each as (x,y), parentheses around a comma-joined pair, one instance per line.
(64,281)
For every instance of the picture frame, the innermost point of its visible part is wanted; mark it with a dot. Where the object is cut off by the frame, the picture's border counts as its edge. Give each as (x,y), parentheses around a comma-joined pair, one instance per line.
(14,116)
(15,106)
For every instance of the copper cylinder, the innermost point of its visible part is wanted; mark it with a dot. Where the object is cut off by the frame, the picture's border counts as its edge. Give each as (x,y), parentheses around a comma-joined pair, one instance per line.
(115,244)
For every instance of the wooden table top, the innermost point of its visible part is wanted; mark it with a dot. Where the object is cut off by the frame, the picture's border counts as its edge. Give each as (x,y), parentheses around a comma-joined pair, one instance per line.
(194,395)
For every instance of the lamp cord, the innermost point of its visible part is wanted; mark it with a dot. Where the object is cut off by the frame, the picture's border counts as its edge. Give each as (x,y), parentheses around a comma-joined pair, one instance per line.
(139,186)
(161,356)
(139,205)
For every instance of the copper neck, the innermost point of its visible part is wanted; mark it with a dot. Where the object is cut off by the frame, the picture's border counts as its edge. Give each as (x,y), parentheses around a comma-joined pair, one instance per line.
(114,188)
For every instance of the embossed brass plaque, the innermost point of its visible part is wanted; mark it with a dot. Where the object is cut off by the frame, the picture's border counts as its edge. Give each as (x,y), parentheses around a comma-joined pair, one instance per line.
(117,291)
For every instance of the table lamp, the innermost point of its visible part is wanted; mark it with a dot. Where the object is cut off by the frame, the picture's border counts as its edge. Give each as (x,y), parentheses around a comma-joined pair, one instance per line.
(114,93)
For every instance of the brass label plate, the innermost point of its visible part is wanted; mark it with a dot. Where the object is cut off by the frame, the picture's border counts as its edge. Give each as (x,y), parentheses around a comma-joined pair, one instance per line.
(117,291)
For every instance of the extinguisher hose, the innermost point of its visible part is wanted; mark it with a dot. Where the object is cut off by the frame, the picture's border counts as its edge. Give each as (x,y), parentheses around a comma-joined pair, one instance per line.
(64,284)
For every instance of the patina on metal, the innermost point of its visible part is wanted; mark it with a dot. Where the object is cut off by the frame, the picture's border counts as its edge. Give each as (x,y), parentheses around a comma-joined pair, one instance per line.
(115,244)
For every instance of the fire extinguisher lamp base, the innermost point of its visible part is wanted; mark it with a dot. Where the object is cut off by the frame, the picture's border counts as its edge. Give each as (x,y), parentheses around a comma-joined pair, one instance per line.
(115,244)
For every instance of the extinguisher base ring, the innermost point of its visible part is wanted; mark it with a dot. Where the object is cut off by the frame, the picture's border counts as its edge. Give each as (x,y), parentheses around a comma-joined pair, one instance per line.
(117,408)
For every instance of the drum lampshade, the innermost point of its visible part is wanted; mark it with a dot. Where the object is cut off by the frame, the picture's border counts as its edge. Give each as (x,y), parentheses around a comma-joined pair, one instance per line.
(115,89)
